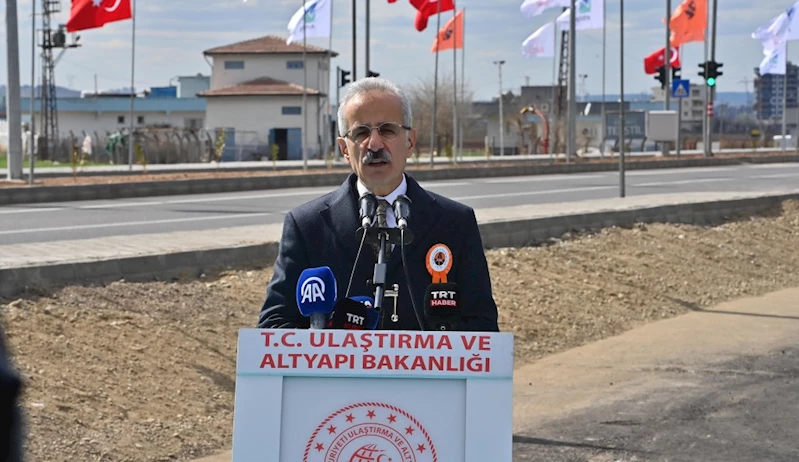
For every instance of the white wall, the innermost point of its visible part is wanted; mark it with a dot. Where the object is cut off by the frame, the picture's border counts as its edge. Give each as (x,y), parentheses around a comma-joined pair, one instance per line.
(79,122)
(274,66)
(260,114)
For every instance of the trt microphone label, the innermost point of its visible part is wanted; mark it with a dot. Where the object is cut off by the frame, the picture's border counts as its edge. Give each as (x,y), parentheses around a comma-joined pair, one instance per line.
(443,298)
(355,319)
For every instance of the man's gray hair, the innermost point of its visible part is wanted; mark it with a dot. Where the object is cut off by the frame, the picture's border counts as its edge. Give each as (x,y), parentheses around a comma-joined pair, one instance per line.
(367,84)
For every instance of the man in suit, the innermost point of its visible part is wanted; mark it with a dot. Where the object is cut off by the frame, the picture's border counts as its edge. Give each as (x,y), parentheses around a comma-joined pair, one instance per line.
(376,138)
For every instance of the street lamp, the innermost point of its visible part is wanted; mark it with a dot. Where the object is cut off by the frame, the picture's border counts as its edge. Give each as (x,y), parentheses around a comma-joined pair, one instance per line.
(501,113)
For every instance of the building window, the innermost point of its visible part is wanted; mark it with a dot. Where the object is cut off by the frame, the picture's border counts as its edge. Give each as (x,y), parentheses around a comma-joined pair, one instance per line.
(120,119)
(140,120)
(234,64)
(292,110)
(193,124)
(294,64)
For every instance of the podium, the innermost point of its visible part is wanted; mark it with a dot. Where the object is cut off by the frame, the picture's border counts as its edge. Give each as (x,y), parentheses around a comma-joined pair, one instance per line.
(373,396)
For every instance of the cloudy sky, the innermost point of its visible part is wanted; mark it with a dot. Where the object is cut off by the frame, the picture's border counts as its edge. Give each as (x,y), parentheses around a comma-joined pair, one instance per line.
(171,35)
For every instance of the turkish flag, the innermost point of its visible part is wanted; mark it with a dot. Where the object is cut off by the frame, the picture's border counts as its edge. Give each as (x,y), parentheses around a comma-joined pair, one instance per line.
(451,35)
(656,60)
(427,8)
(90,14)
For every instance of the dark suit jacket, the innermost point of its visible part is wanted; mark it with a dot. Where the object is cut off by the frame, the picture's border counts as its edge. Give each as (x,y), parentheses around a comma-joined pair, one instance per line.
(322,232)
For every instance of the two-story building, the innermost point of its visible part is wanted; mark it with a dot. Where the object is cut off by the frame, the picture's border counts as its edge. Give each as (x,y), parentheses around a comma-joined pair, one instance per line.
(256,97)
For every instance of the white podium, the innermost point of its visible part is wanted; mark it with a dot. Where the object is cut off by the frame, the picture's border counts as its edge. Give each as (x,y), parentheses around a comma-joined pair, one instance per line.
(373,396)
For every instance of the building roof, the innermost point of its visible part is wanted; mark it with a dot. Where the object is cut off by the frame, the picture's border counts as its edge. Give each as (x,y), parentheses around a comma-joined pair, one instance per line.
(262,86)
(121,105)
(269,44)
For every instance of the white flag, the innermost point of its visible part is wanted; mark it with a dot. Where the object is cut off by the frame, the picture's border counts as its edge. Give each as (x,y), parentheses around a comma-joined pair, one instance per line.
(532,8)
(590,15)
(783,27)
(775,62)
(541,43)
(313,18)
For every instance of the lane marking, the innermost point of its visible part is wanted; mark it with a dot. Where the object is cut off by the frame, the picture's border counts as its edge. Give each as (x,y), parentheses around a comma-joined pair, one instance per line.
(534,193)
(134,223)
(670,183)
(541,178)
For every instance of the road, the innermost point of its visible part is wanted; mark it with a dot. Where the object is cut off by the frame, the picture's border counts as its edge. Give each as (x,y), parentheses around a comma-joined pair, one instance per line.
(47,222)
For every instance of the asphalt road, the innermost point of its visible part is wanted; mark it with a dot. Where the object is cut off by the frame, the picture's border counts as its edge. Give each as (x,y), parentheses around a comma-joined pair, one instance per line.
(742,411)
(49,222)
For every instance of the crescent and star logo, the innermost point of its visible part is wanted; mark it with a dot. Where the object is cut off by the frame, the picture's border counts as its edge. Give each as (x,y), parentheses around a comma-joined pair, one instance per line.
(111,9)
(370,432)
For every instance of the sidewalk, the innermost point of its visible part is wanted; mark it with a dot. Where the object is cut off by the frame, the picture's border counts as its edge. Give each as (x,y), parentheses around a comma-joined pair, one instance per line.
(646,364)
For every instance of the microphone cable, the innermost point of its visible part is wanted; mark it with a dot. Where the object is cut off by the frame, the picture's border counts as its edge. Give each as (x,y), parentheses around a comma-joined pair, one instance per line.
(419,317)
(355,264)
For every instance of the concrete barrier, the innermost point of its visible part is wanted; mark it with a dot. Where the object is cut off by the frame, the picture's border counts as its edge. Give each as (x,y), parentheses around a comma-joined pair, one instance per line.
(506,227)
(38,194)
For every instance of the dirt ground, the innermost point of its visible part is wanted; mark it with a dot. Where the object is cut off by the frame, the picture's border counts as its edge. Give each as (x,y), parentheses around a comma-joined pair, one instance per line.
(82,179)
(145,371)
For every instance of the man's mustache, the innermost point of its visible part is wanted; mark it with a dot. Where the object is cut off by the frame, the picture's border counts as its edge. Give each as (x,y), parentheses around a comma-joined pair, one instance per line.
(376,157)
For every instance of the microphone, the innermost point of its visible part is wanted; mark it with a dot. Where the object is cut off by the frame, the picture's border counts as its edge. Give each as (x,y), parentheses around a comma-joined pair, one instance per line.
(441,306)
(353,314)
(402,210)
(316,295)
(367,204)
(373,316)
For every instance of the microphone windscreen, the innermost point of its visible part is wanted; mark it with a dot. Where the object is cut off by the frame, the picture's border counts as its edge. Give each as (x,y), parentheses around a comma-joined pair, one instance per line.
(350,315)
(441,306)
(316,291)
(373,316)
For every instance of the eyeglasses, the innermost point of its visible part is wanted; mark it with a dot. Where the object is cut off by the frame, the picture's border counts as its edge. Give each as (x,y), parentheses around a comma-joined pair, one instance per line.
(387,130)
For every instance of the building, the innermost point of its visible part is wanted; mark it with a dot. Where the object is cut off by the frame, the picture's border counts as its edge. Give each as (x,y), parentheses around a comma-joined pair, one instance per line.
(256,98)
(110,113)
(693,107)
(769,93)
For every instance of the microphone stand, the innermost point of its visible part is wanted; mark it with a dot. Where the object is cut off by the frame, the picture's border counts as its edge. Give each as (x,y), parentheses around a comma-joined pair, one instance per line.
(383,237)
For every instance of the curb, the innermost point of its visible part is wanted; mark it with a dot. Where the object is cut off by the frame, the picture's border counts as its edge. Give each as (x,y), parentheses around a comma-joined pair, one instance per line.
(500,233)
(38,194)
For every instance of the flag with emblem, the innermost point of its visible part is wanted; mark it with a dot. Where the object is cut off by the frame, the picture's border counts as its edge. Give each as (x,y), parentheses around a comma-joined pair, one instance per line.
(451,35)
(311,20)
(91,14)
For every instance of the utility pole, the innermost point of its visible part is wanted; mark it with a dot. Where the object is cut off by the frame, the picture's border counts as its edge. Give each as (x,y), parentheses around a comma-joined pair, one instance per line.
(501,111)
(571,140)
(14,101)
(709,149)
(32,126)
(354,41)
(367,67)
(667,64)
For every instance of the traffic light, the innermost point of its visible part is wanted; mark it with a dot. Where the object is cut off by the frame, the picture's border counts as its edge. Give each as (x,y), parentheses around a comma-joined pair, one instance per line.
(713,73)
(343,77)
(704,74)
(675,73)
(372,74)
(661,76)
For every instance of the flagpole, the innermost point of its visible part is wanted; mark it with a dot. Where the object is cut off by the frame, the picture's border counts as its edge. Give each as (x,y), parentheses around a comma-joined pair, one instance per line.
(455,88)
(552,134)
(622,186)
(435,87)
(132,82)
(463,81)
(304,89)
(572,137)
(785,98)
(604,48)
(326,129)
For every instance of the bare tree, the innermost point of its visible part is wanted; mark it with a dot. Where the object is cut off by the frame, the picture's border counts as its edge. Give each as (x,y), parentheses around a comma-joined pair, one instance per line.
(421,96)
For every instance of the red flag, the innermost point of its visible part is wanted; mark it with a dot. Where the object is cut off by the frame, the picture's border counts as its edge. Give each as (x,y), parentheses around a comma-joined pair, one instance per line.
(656,60)
(428,8)
(89,14)
(451,35)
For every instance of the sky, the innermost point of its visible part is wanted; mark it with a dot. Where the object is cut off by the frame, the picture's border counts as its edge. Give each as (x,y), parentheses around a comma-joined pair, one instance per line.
(172,34)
